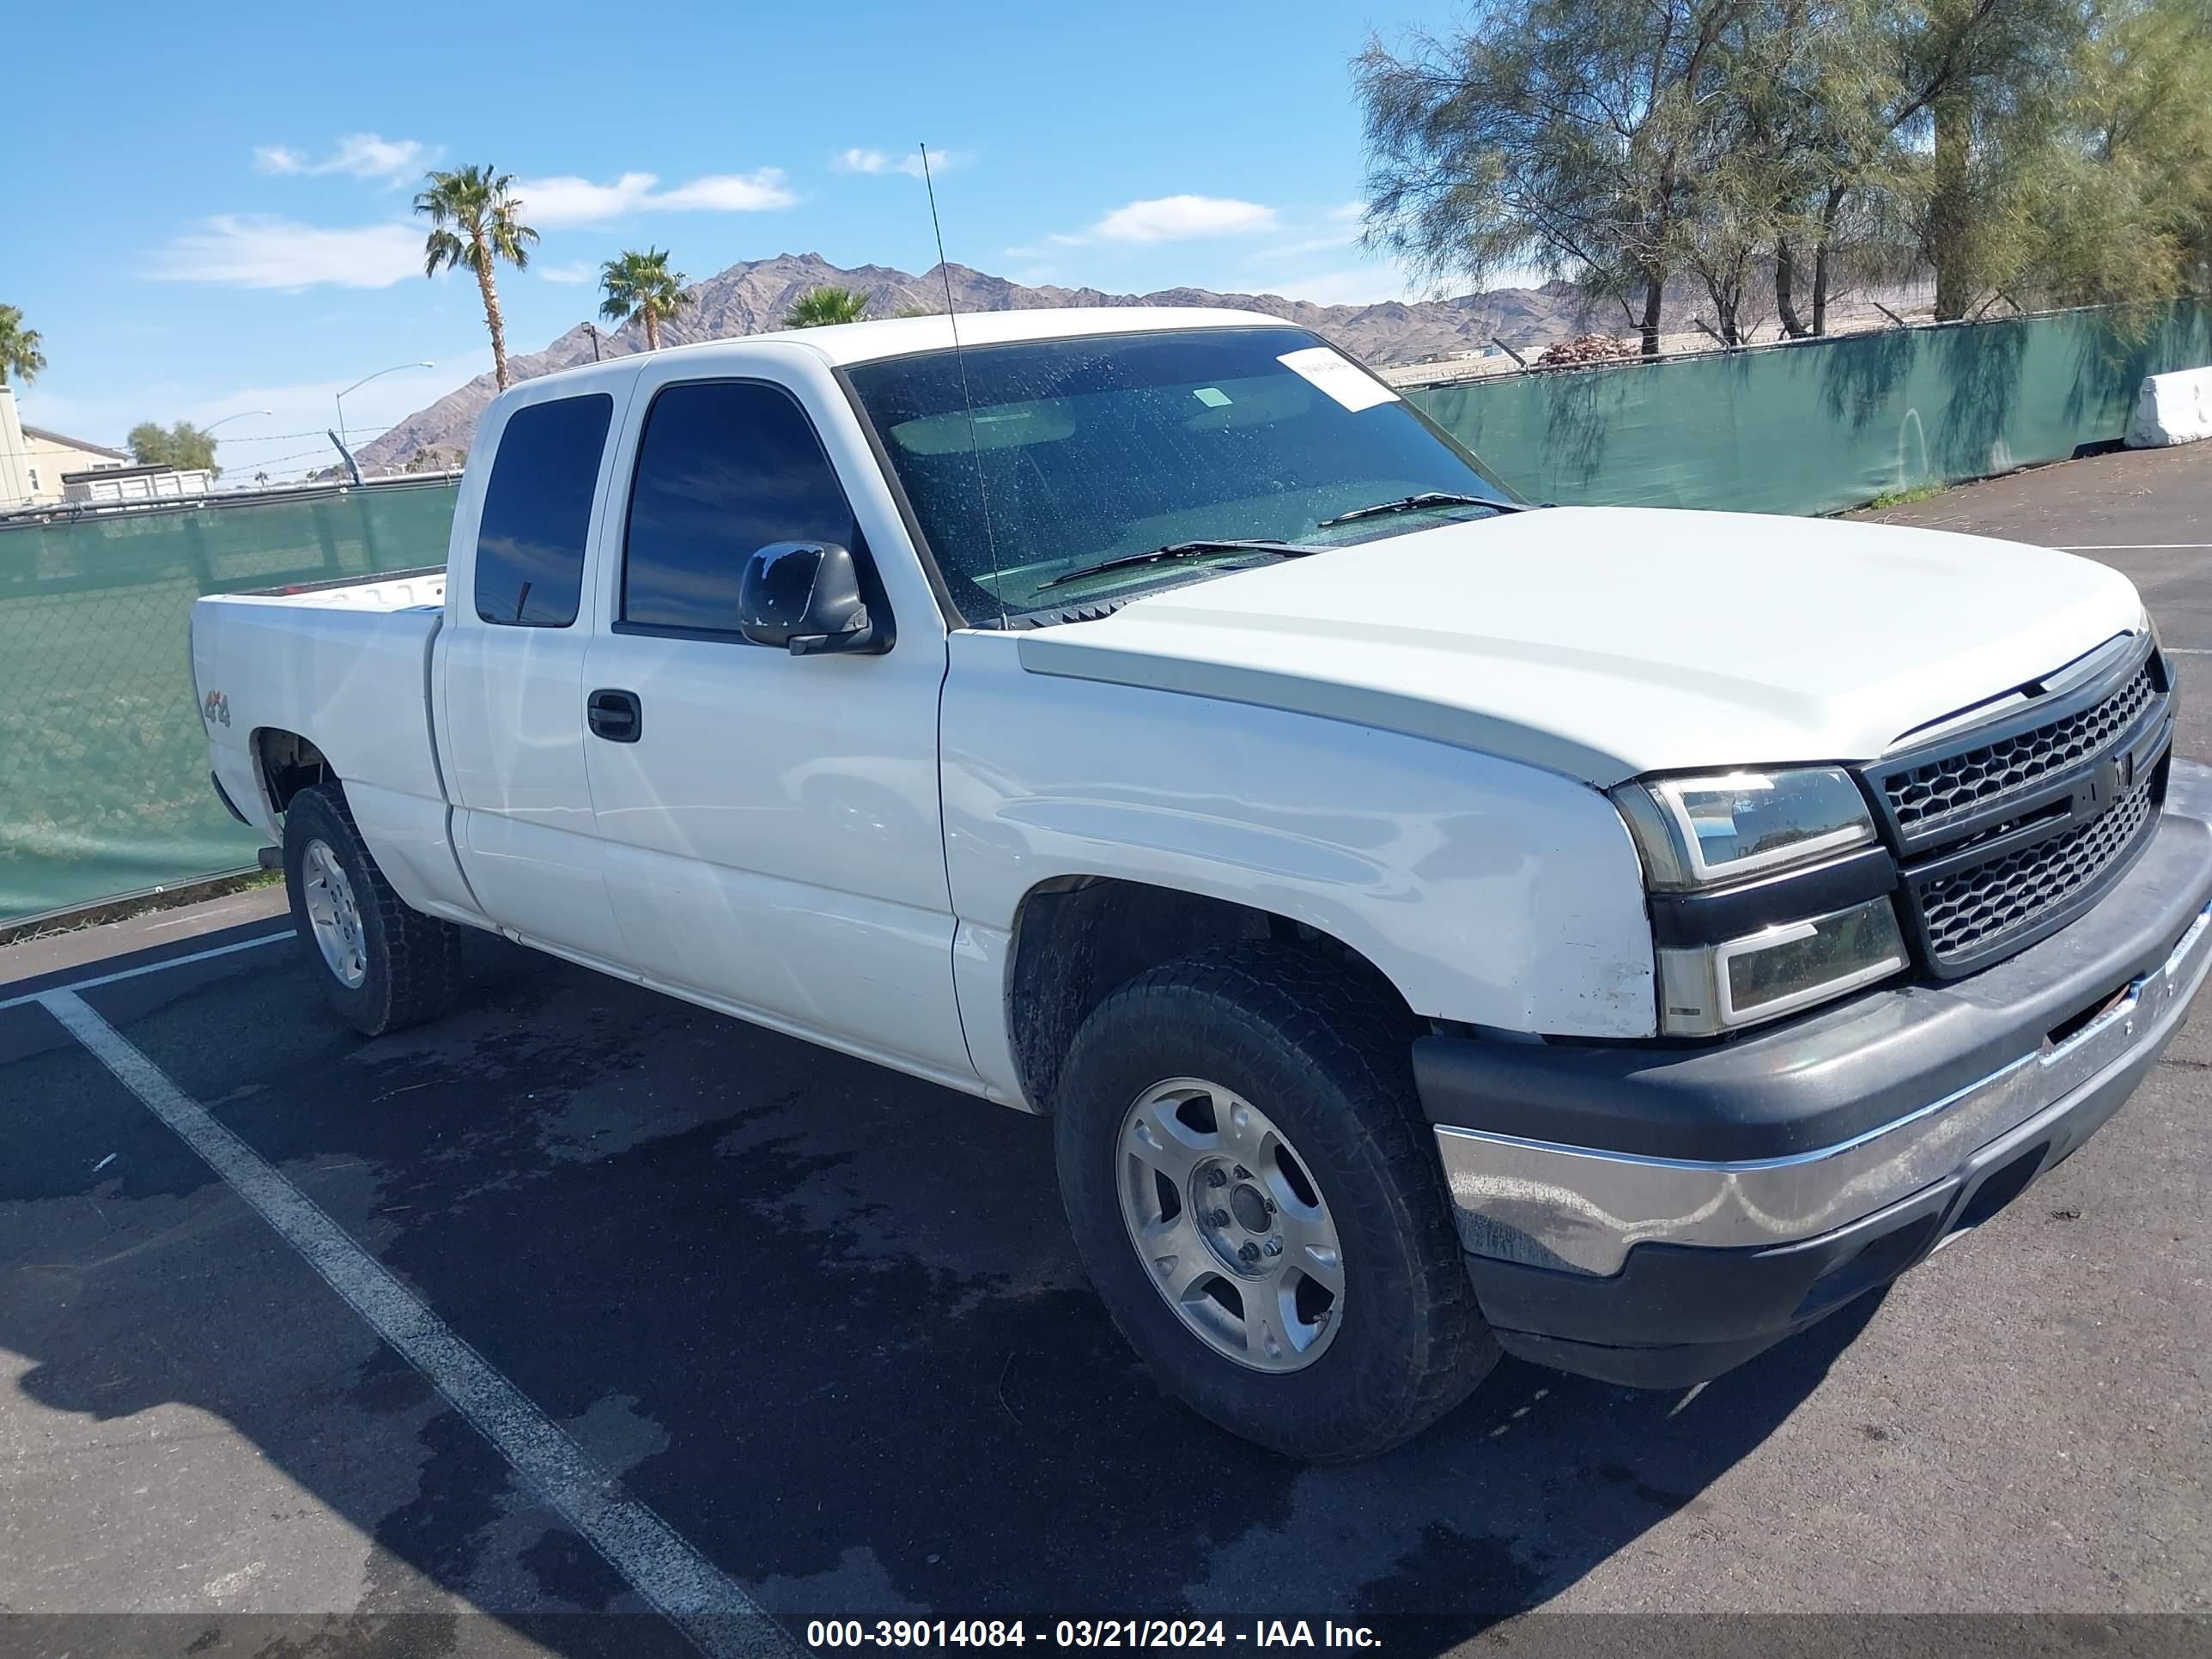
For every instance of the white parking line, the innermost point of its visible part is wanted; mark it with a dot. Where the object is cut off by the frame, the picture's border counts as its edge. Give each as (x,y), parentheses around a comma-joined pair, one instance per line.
(150,968)
(679,1582)
(2132,547)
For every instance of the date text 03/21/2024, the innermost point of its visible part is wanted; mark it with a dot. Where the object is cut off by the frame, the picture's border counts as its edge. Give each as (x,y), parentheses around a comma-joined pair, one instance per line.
(824,1633)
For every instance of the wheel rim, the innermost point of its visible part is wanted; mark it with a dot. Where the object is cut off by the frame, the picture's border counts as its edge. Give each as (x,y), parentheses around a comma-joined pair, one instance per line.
(334,915)
(1232,1228)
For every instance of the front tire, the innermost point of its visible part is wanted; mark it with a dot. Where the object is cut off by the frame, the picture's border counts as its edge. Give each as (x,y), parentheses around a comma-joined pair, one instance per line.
(383,966)
(1251,1190)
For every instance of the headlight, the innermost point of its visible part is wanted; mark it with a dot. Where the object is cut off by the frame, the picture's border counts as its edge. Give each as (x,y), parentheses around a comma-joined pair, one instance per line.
(1716,987)
(1751,835)
(1702,831)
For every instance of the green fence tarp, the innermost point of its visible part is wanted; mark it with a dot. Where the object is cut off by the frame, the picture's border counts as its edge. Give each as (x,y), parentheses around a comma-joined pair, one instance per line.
(1821,425)
(103,770)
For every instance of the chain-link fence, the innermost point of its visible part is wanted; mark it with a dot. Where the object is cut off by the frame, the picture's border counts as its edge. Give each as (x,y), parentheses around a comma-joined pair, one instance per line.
(103,770)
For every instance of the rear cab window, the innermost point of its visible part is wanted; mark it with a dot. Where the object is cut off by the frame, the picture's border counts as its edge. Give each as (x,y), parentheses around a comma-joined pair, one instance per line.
(538,512)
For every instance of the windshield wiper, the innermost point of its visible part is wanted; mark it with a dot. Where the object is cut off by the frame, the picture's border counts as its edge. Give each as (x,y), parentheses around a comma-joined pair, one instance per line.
(1427,498)
(1176,550)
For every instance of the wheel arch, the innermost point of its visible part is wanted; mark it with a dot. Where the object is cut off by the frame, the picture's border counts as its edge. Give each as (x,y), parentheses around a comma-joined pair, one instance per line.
(1077,938)
(285,762)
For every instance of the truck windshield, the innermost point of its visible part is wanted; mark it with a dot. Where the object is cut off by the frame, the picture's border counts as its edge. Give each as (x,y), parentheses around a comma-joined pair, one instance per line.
(1087,451)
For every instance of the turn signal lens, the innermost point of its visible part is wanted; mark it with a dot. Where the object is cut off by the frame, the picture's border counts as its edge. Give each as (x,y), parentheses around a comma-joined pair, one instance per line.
(1778,970)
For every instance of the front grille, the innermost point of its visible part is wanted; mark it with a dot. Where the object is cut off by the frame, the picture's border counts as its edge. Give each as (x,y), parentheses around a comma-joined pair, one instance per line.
(1974,909)
(1954,783)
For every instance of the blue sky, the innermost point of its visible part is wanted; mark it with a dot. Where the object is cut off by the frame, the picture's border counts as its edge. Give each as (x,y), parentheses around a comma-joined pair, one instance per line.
(223,221)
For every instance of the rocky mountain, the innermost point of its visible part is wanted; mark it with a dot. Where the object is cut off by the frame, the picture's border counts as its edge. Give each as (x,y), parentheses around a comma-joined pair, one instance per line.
(752,297)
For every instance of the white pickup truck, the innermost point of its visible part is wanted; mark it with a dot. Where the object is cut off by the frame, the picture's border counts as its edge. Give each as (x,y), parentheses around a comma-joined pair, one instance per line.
(1434,925)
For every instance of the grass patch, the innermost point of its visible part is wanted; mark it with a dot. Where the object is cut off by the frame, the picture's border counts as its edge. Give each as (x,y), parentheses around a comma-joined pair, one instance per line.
(1919,492)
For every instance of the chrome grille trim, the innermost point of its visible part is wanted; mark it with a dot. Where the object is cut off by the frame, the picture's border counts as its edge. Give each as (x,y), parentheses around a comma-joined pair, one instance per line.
(1943,789)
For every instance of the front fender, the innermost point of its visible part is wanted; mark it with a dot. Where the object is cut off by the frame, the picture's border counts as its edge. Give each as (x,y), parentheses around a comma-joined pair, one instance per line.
(1488,890)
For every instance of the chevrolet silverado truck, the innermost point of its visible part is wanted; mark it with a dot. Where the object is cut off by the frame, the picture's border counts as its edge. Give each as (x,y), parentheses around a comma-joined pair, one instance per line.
(1434,925)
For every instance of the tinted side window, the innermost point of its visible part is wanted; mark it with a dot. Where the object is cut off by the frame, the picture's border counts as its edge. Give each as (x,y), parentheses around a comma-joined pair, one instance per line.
(724,468)
(538,512)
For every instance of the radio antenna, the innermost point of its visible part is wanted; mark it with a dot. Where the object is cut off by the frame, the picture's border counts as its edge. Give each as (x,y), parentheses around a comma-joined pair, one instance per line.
(974,449)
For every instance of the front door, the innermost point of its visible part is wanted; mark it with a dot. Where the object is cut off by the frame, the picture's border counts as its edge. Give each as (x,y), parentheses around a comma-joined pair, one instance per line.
(770,823)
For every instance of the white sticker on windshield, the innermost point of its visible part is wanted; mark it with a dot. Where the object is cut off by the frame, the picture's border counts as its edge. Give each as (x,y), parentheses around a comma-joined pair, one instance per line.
(1212,397)
(1338,376)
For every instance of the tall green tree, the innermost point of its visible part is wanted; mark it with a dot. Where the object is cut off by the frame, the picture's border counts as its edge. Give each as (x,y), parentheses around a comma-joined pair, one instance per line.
(183,446)
(20,354)
(2120,206)
(1564,135)
(1985,85)
(1800,154)
(475,221)
(820,306)
(2042,151)
(641,285)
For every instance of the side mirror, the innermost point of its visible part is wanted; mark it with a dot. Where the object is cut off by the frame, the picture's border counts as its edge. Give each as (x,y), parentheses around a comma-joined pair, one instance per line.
(805,596)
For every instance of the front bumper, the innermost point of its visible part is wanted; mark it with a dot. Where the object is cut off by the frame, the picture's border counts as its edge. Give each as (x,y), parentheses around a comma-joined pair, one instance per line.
(1656,1216)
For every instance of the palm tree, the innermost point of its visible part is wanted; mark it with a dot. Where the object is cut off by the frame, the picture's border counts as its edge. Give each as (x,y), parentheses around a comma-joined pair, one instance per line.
(478,204)
(19,348)
(819,306)
(642,285)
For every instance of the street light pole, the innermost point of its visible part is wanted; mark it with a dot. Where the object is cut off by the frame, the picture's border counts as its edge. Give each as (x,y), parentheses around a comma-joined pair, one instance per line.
(241,415)
(363,381)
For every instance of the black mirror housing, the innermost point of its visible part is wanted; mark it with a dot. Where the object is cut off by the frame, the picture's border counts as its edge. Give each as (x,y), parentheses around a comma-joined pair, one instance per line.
(806,598)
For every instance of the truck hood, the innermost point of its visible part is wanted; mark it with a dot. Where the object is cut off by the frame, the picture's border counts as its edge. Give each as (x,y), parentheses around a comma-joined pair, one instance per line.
(1604,642)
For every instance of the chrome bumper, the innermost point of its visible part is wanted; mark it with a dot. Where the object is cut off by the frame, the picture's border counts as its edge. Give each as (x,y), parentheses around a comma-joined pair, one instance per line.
(1581,1209)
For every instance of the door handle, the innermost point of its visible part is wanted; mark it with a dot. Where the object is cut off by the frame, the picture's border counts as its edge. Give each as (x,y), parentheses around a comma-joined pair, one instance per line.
(614,715)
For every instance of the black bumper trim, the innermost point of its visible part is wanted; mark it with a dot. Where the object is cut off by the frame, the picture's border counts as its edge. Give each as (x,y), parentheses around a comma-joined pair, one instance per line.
(1836,1074)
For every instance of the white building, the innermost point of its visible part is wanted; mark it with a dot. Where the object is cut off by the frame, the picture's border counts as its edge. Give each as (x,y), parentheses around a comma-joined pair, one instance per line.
(33,460)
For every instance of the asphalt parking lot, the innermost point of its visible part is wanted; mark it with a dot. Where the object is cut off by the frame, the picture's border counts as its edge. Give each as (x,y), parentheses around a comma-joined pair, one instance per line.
(821,1325)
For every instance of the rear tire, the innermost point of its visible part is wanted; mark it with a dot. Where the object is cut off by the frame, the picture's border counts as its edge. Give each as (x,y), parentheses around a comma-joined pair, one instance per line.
(1253,1190)
(383,966)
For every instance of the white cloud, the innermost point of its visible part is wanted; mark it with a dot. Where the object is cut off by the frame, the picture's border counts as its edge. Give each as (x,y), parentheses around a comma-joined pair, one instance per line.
(557,203)
(581,271)
(1178,218)
(358,156)
(874,161)
(728,193)
(249,250)
(552,203)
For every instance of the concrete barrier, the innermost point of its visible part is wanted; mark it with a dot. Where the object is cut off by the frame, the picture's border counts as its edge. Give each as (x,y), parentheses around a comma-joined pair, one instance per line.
(2172,408)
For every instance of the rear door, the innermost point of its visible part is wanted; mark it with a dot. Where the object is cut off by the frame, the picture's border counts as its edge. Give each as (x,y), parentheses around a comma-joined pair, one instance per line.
(770,821)
(511,665)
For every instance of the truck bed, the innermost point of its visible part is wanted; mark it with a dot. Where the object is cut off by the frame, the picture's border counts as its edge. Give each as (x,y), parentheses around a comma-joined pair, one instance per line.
(347,664)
